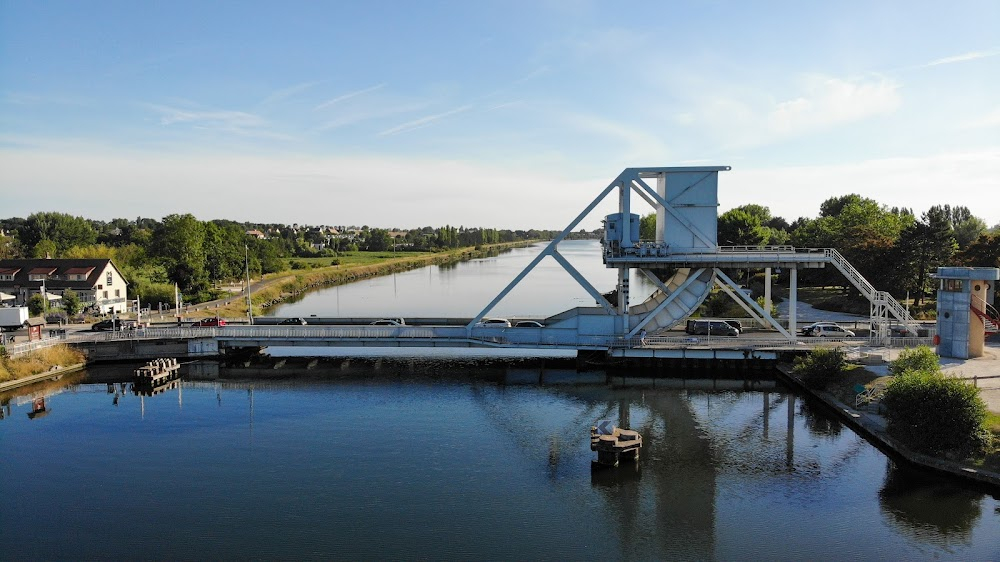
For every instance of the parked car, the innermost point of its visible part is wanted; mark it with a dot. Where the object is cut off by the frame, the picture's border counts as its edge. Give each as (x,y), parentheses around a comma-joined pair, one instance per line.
(710,327)
(389,322)
(493,323)
(293,322)
(109,325)
(209,322)
(529,324)
(830,331)
(807,330)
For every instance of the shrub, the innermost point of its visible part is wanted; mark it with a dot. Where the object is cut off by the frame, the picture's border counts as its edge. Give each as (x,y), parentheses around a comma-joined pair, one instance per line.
(936,415)
(920,358)
(821,366)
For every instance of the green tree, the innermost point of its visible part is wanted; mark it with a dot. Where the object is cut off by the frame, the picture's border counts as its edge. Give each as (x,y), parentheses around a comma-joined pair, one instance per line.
(647,227)
(968,231)
(180,244)
(936,415)
(921,358)
(71,302)
(739,227)
(924,246)
(45,248)
(65,231)
(984,252)
(821,366)
(36,305)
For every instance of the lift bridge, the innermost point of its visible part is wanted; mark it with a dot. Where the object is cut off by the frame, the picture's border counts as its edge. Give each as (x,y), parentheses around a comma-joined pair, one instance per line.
(684,262)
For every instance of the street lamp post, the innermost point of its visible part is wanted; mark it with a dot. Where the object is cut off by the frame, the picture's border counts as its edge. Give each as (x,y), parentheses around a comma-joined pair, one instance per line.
(246,249)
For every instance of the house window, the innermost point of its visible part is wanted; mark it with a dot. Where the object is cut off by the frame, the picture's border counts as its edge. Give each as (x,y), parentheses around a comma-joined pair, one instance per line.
(6,277)
(116,293)
(105,294)
(952,285)
(37,276)
(110,279)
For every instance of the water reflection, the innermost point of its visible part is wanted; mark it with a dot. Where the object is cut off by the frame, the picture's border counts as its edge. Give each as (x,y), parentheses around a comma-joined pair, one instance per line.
(474,448)
(927,509)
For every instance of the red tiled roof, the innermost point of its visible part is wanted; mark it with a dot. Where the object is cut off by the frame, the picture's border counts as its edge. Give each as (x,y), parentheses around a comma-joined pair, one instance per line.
(45,270)
(9,270)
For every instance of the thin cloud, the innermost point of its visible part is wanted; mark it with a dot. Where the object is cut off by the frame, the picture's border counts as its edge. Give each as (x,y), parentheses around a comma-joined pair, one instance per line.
(348,96)
(227,121)
(422,122)
(225,118)
(360,116)
(963,57)
(287,92)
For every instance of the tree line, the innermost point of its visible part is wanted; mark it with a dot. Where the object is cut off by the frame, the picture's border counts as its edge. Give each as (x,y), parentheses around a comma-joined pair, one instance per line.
(154,255)
(892,247)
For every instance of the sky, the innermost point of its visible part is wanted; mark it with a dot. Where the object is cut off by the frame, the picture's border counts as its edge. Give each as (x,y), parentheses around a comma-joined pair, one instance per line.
(512,114)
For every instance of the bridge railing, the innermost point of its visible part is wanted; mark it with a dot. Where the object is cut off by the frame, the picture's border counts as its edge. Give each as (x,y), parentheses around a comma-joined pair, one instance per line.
(16,349)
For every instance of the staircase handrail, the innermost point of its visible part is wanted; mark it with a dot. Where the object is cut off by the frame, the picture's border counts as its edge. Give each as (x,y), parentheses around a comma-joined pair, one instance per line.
(987,312)
(866,288)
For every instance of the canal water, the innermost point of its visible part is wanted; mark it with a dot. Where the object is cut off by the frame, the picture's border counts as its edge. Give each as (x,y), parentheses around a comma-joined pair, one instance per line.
(456,459)
(463,289)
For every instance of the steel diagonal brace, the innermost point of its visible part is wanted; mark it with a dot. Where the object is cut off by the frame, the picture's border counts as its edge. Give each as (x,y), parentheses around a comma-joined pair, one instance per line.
(644,195)
(739,295)
(656,281)
(583,282)
(741,299)
(680,218)
(670,298)
(547,251)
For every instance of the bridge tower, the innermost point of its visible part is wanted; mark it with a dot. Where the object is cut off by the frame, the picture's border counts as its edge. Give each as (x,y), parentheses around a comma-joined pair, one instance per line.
(683,261)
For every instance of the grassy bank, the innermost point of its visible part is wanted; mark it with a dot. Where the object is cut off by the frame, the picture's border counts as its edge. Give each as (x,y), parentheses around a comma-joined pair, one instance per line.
(836,299)
(317,273)
(38,361)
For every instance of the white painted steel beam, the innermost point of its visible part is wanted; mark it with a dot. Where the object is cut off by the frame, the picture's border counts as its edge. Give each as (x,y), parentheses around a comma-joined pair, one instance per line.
(547,251)
(734,291)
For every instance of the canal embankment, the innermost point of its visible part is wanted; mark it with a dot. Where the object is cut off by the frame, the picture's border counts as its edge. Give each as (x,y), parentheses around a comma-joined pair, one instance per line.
(872,426)
(289,286)
(54,372)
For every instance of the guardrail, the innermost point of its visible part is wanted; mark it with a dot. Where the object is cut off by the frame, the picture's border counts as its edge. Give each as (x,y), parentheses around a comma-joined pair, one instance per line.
(16,349)
(460,336)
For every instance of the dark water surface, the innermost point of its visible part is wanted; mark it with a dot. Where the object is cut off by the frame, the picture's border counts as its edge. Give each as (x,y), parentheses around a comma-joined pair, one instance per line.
(440,463)
(457,459)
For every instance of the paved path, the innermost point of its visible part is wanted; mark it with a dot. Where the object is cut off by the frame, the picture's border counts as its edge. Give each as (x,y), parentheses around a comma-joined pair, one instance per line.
(806,314)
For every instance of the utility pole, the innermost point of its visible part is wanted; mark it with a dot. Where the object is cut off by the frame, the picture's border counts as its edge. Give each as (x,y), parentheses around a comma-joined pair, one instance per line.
(246,248)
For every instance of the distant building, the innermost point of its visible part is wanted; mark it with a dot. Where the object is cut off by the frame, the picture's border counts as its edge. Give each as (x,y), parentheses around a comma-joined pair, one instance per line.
(256,234)
(98,282)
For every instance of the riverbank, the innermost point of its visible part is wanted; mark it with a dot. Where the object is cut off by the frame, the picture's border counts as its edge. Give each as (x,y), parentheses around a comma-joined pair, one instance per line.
(872,427)
(39,365)
(281,287)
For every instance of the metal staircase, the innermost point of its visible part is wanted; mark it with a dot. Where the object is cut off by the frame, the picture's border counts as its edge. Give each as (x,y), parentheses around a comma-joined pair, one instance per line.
(881,301)
(988,314)
(687,289)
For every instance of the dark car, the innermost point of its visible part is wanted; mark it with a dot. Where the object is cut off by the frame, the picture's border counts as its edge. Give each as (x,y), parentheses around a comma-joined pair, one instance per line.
(109,325)
(529,324)
(293,322)
(389,322)
(209,322)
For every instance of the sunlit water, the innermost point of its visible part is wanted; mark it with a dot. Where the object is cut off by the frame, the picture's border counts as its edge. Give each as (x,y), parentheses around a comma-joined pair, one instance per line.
(463,289)
(457,459)
(435,464)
